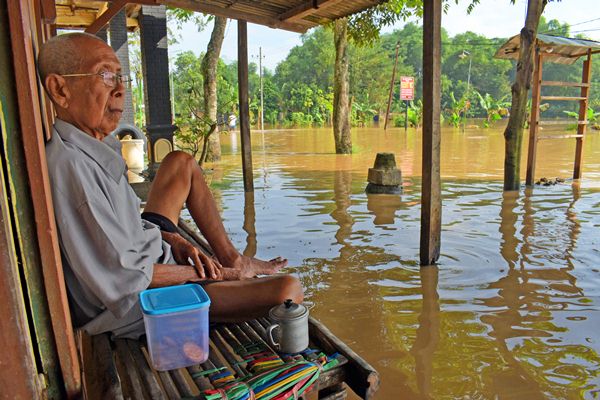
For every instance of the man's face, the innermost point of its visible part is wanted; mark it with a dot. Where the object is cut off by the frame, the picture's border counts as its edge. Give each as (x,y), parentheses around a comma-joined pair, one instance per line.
(94,107)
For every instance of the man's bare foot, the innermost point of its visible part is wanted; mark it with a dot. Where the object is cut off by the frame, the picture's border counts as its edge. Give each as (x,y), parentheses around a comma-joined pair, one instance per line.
(249,267)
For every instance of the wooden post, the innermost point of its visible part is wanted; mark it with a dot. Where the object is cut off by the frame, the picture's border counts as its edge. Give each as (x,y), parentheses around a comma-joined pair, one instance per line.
(18,377)
(387,112)
(30,117)
(244,107)
(431,202)
(583,105)
(534,120)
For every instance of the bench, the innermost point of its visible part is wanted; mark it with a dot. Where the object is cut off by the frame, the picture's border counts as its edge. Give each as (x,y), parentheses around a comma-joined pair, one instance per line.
(121,369)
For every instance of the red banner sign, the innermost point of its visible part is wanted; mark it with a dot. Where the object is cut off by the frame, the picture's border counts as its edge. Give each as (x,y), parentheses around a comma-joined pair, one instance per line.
(407,88)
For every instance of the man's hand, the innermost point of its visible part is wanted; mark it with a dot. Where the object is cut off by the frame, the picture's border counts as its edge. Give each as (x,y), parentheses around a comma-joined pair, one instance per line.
(186,253)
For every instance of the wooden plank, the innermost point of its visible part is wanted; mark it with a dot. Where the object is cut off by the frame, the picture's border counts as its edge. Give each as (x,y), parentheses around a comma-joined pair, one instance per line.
(559,137)
(18,376)
(561,122)
(100,378)
(201,381)
(168,385)
(48,11)
(361,376)
(431,201)
(232,358)
(565,84)
(244,106)
(562,98)
(307,8)
(134,389)
(30,117)
(184,382)
(235,14)
(145,369)
(535,116)
(106,16)
(585,93)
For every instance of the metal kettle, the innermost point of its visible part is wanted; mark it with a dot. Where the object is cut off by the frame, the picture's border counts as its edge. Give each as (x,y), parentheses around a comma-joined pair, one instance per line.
(289,332)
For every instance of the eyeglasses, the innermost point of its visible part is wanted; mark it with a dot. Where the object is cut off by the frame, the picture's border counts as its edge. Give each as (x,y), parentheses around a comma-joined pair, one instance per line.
(110,79)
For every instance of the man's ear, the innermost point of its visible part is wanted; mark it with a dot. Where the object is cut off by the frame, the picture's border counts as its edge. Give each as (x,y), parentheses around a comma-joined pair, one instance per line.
(57,89)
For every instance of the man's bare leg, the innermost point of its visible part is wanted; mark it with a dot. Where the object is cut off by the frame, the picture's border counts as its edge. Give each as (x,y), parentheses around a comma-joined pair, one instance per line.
(233,301)
(179,180)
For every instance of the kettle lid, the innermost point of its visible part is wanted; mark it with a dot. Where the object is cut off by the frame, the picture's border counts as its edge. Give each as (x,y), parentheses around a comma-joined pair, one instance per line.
(288,310)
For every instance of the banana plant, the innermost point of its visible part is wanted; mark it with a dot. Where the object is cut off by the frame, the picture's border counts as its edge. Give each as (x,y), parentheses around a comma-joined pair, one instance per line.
(592,116)
(495,109)
(457,109)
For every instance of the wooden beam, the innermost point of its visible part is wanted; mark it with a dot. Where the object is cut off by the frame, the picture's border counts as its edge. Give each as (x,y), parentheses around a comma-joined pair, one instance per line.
(235,14)
(562,98)
(534,126)
(48,11)
(106,16)
(306,8)
(30,118)
(431,201)
(581,129)
(564,84)
(244,106)
(18,377)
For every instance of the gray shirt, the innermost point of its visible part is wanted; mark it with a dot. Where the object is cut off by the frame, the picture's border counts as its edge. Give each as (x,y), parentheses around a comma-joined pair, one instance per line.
(108,251)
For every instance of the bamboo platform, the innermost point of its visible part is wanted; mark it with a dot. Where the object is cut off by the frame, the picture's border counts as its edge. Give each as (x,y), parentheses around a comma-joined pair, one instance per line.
(121,369)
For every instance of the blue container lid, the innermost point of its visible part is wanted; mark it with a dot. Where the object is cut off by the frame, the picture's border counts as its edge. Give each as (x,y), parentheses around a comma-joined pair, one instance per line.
(173,299)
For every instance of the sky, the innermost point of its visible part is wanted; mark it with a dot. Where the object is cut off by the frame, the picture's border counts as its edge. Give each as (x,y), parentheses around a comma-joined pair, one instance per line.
(492,18)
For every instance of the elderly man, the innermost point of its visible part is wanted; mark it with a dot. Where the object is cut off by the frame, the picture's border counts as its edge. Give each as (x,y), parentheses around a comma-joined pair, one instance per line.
(111,253)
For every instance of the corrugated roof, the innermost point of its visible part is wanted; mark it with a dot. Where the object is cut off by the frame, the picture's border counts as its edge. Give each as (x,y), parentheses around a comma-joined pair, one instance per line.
(557,49)
(291,15)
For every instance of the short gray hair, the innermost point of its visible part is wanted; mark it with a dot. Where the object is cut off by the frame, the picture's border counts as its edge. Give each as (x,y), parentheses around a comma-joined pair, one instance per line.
(62,54)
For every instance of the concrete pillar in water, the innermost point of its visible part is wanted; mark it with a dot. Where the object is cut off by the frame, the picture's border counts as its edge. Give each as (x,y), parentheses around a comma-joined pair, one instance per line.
(384,177)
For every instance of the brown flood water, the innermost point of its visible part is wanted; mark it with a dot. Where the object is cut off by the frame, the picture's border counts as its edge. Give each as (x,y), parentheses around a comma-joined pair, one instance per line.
(512,309)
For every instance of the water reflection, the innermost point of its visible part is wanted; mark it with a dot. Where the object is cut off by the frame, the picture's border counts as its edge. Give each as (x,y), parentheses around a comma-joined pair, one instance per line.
(428,332)
(512,310)
(249,224)
(384,206)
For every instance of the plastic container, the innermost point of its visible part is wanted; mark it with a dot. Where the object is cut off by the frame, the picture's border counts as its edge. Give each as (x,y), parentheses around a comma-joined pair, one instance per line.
(176,322)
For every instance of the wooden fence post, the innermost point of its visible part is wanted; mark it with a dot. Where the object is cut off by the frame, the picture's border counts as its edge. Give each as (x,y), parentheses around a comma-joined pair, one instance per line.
(431,202)
(244,107)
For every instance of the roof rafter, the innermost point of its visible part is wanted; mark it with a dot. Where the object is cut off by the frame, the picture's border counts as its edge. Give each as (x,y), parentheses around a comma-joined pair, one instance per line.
(231,13)
(106,16)
(306,9)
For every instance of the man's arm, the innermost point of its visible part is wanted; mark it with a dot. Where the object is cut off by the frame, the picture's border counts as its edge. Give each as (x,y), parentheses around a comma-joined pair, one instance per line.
(169,275)
(172,274)
(184,251)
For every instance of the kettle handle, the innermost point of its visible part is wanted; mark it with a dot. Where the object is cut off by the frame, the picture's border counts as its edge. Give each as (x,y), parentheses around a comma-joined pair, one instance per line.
(270,336)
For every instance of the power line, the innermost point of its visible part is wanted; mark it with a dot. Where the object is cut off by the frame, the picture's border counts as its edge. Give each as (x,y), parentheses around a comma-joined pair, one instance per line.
(571,25)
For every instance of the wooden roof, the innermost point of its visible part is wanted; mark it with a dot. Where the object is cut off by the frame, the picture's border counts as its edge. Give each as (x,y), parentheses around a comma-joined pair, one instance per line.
(556,49)
(291,15)
(75,14)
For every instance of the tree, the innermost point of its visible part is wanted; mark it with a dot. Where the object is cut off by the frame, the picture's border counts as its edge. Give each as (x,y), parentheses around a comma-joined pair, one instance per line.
(341,104)
(208,66)
(513,134)
(363,28)
(209,72)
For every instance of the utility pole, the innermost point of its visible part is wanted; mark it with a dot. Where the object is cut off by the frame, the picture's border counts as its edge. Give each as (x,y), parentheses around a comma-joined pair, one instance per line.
(260,74)
(387,111)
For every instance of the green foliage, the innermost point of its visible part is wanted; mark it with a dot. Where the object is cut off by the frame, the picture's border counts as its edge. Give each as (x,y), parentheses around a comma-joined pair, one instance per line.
(592,117)
(299,92)
(415,115)
(193,127)
(495,109)
(137,86)
(457,109)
